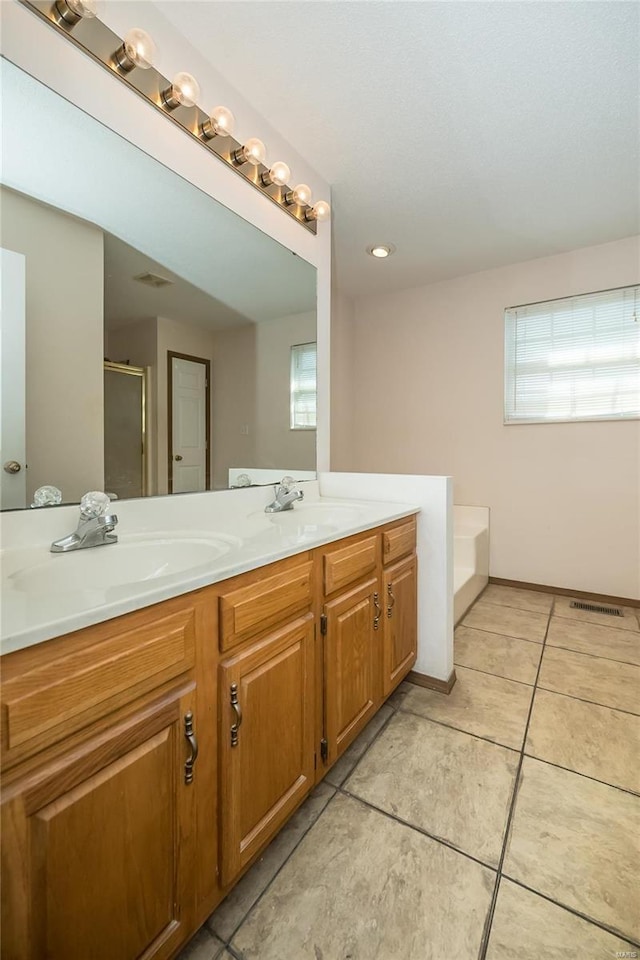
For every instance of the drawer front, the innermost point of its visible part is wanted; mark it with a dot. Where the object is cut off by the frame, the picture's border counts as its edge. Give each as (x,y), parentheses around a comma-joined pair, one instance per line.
(398,541)
(345,566)
(74,689)
(251,609)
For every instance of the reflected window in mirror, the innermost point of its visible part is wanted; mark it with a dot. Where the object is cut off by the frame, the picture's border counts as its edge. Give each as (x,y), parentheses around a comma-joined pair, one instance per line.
(303,386)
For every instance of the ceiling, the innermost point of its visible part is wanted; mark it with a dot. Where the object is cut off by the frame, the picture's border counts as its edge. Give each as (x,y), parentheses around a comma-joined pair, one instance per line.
(468,134)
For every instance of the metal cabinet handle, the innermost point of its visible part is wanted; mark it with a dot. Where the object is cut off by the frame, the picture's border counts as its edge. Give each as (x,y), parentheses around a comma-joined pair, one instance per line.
(237,709)
(378,609)
(392,601)
(193,743)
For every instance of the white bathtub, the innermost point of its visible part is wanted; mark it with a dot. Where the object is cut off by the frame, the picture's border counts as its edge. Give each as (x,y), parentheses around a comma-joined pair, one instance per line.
(470,556)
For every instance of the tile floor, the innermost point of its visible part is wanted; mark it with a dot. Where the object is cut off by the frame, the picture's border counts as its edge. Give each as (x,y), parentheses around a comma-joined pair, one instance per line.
(501,821)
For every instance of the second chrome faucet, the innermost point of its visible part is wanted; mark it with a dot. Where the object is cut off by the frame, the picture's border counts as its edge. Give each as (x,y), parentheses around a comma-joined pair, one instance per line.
(286,495)
(95,526)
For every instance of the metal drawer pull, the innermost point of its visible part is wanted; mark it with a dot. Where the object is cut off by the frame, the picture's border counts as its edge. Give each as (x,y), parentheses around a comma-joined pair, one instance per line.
(392,601)
(378,609)
(193,743)
(237,709)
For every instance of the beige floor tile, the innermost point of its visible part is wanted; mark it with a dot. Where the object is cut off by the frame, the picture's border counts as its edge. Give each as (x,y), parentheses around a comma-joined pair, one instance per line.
(593,740)
(489,707)
(502,656)
(343,767)
(507,621)
(578,842)
(629,621)
(398,695)
(452,785)
(530,928)
(204,946)
(606,682)
(364,886)
(234,908)
(522,599)
(595,639)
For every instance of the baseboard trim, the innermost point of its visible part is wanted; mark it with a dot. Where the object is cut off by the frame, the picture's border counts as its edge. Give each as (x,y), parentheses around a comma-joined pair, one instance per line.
(564,592)
(432,683)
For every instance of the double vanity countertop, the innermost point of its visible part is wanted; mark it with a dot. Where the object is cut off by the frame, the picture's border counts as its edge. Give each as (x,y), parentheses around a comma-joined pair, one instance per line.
(161,554)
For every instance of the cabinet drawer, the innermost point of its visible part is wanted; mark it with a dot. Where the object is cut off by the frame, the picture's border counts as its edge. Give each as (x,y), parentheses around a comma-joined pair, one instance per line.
(61,694)
(398,541)
(251,608)
(345,566)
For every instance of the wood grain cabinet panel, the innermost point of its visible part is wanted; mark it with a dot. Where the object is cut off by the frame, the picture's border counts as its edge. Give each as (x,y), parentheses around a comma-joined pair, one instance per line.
(353,643)
(398,541)
(349,564)
(58,694)
(99,845)
(266,740)
(399,594)
(250,608)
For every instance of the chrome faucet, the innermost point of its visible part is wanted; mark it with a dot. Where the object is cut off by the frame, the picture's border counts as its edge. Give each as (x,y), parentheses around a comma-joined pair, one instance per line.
(95,526)
(286,494)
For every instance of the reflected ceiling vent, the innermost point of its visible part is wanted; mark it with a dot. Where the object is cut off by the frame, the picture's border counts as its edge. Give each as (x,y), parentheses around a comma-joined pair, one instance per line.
(153,280)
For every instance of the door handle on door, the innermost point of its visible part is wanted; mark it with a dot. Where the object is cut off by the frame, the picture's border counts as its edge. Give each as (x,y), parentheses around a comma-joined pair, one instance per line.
(12,466)
(177,457)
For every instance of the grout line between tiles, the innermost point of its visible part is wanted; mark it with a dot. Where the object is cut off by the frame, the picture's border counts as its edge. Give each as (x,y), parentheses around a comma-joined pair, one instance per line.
(417,829)
(365,751)
(600,623)
(450,726)
(486,933)
(594,703)
(510,606)
(587,776)
(487,673)
(509,636)
(576,913)
(595,656)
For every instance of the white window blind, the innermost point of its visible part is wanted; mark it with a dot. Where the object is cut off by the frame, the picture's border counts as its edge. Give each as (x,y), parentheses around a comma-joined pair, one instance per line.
(303,386)
(574,359)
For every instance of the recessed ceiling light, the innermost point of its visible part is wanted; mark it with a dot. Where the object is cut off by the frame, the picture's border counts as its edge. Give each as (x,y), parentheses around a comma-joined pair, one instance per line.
(381,250)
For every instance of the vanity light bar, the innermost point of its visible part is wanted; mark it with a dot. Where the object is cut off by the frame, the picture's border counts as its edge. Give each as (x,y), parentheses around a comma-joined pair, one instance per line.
(176,99)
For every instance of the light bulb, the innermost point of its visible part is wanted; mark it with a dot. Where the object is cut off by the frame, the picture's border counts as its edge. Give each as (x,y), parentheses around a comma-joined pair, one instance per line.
(319,211)
(252,151)
(138,50)
(300,195)
(278,174)
(381,250)
(183,92)
(220,123)
(71,11)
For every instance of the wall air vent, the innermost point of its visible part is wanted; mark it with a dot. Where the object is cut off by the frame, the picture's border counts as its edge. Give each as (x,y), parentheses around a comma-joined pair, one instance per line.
(596,608)
(152,280)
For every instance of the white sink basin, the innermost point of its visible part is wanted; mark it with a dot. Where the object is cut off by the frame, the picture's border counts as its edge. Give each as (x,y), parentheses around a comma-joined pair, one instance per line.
(133,560)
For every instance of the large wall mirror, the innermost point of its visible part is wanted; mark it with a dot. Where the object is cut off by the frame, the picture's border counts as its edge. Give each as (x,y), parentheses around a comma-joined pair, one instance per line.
(153,342)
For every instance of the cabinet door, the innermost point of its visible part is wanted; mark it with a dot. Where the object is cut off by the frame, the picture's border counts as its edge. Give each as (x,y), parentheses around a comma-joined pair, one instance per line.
(266,739)
(98,845)
(353,665)
(400,621)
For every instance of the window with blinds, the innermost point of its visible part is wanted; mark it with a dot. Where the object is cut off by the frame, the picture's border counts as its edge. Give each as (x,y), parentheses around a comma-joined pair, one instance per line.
(303,386)
(574,359)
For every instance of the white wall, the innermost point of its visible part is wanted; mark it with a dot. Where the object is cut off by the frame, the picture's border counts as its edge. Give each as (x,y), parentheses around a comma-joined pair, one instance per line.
(277,445)
(426,390)
(37,48)
(63,344)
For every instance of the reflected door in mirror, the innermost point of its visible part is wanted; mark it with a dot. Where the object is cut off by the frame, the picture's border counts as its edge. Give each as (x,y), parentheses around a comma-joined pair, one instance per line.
(13,483)
(189,424)
(124,430)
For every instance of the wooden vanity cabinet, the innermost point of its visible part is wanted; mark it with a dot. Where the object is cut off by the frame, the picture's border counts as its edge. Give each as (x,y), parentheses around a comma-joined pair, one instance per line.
(102,829)
(399,596)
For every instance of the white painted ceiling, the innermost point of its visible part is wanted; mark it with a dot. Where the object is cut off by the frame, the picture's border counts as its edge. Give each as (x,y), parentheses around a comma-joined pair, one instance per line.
(468,134)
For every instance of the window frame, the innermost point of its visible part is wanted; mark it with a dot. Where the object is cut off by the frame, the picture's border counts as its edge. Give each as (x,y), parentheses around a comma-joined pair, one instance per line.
(510,369)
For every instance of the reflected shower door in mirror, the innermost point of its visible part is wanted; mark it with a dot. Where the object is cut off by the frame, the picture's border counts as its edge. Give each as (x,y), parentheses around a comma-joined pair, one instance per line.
(127,265)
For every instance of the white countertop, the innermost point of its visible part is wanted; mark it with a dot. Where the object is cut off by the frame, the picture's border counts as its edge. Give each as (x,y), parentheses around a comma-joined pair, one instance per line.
(46,595)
